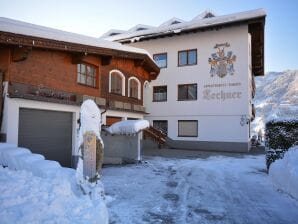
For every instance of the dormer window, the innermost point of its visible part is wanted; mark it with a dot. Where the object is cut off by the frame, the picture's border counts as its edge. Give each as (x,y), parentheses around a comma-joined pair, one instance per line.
(141,28)
(86,75)
(175,22)
(209,15)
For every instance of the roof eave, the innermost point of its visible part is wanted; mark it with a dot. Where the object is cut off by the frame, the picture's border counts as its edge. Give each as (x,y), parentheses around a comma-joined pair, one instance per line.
(38,42)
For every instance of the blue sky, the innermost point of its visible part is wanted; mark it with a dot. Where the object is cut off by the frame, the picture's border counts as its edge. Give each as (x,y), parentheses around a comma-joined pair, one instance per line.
(95,17)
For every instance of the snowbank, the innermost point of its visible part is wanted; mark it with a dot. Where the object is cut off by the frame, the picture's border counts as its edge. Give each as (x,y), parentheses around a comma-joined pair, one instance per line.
(129,127)
(284,172)
(26,198)
(35,190)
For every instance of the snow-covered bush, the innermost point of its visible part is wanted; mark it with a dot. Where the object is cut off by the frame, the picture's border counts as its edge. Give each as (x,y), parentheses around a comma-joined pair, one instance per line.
(280,136)
(284,172)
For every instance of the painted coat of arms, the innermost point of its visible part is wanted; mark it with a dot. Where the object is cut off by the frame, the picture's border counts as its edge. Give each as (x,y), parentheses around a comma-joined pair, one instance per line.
(222,63)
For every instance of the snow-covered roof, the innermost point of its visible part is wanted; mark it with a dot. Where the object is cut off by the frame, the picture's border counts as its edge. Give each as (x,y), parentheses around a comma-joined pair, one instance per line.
(112,32)
(28,29)
(140,27)
(204,15)
(197,23)
(171,22)
(128,127)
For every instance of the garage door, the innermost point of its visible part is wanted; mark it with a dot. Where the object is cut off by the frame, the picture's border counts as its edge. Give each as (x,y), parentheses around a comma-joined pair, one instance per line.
(48,133)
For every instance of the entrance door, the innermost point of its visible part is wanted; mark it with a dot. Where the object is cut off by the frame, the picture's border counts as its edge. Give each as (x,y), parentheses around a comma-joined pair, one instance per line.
(111,120)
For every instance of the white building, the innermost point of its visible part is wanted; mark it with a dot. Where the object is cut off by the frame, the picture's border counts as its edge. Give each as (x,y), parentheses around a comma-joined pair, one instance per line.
(203,96)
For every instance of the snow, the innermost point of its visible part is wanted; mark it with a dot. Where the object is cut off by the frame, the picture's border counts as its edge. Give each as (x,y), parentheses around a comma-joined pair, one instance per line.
(129,127)
(90,120)
(276,98)
(28,29)
(193,24)
(213,190)
(26,198)
(35,190)
(170,22)
(284,172)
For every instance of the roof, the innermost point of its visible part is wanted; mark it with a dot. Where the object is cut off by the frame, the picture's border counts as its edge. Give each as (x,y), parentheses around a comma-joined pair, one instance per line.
(59,39)
(208,20)
(171,22)
(112,32)
(196,23)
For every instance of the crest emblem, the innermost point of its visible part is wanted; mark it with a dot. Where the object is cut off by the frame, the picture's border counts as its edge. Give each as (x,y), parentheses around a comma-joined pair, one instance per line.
(221,63)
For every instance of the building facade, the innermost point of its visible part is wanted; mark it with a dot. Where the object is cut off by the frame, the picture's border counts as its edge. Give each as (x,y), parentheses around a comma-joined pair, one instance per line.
(46,74)
(203,96)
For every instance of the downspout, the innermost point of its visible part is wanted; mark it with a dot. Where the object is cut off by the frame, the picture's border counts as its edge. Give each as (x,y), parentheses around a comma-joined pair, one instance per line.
(2,138)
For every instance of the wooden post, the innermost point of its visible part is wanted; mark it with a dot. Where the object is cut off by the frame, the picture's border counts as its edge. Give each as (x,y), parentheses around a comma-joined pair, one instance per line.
(89,156)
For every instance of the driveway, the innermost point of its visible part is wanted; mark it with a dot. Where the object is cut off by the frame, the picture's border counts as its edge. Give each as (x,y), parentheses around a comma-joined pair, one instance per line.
(217,189)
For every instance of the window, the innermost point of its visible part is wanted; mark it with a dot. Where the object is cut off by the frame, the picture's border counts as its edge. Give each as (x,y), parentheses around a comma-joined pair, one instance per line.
(187,128)
(159,93)
(86,75)
(187,92)
(161,125)
(187,57)
(134,88)
(117,82)
(161,60)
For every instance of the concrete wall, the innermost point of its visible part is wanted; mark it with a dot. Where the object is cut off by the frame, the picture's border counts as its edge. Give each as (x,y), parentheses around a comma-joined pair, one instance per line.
(218,120)
(119,149)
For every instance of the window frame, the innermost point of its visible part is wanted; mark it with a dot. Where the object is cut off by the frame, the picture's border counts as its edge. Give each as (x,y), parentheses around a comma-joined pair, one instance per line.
(163,53)
(139,94)
(178,99)
(95,77)
(153,100)
(122,84)
(187,57)
(197,129)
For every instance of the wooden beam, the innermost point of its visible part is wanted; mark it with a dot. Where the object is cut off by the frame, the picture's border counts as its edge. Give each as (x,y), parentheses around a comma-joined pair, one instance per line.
(20,53)
(106,60)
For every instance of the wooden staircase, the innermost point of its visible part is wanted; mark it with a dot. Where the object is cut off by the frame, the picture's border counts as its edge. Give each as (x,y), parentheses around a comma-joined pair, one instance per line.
(156,135)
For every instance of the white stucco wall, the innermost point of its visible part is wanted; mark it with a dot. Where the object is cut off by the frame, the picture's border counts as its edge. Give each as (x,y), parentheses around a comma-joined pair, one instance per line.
(218,120)
(12,106)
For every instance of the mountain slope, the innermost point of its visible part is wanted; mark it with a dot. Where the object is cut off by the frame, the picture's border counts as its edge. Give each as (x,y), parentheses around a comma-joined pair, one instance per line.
(276,97)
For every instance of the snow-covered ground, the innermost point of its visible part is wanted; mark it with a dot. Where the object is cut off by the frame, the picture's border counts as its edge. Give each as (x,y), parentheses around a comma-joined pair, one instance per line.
(214,190)
(26,198)
(284,172)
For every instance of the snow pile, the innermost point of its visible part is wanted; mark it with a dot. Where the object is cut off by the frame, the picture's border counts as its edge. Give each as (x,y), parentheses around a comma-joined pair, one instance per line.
(90,120)
(35,190)
(18,158)
(276,98)
(284,172)
(129,127)
(26,198)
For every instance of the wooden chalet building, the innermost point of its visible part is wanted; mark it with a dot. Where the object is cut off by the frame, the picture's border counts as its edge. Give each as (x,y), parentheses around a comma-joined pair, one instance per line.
(47,73)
